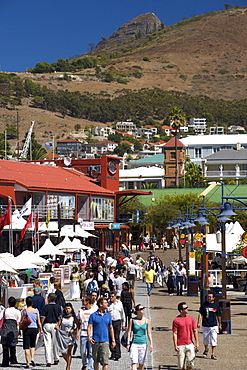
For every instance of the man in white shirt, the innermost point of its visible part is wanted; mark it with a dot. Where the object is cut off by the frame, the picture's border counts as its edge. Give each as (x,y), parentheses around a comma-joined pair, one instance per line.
(117,283)
(85,345)
(131,273)
(116,310)
(180,275)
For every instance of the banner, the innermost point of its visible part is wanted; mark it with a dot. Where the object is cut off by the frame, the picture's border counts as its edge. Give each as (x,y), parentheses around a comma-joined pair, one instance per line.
(28,225)
(26,209)
(5,219)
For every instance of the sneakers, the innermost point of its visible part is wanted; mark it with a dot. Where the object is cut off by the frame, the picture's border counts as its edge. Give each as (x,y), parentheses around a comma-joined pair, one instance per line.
(48,365)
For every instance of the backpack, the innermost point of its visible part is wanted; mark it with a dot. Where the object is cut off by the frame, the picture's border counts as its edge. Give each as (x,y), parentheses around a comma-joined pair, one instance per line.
(91,288)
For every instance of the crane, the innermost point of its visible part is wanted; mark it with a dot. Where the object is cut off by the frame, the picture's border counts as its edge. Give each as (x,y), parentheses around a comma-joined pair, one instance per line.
(27,142)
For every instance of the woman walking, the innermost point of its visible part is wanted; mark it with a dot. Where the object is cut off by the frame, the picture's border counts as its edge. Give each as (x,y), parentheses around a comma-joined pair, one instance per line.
(138,330)
(60,298)
(9,333)
(127,298)
(74,284)
(67,331)
(30,333)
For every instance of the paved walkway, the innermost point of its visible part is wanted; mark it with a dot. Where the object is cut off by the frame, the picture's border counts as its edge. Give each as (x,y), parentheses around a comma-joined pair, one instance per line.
(123,363)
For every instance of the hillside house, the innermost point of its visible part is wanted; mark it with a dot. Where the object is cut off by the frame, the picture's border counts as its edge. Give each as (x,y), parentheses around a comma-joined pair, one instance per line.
(167,129)
(68,147)
(104,131)
(198,124)
(128,127)
(132,146)
(101,148)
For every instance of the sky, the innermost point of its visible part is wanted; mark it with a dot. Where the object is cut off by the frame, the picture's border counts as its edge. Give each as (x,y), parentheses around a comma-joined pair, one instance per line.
(33,31)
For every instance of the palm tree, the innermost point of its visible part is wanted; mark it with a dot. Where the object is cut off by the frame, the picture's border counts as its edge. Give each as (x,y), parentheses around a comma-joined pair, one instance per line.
(177,119)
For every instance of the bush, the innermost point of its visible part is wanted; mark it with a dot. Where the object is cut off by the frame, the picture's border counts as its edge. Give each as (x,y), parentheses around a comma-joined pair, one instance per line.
(146,59)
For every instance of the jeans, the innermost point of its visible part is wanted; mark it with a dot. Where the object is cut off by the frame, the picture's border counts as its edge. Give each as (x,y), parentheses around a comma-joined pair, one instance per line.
(50,343)
(86,353)
(179,281)
(149,287)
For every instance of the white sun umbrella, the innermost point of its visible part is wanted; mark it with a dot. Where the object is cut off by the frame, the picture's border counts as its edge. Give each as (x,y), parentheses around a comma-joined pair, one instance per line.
(73,246)
(5,267)
(83,233)
(20,263)
(37,260)
(52,226)
(67,230)
(48,248)
(16,223)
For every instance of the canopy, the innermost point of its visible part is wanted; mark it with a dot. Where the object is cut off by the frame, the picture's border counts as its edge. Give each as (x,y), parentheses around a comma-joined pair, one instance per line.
(233,235)
(52,226)
(49,249)
(73,246)
(240,260)
(65,244)
(37,260)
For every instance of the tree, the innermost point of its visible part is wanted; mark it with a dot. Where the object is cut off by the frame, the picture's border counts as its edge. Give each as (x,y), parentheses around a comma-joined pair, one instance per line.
(43,67)
(38,152)
(193,174)
(121,149)
(117,137)
(177,119)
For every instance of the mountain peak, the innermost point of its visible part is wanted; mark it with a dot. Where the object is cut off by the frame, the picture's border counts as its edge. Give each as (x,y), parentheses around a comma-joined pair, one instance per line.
(141,25)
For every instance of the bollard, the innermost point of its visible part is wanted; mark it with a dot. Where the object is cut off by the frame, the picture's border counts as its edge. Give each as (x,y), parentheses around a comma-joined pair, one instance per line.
(192,288)
(225,306)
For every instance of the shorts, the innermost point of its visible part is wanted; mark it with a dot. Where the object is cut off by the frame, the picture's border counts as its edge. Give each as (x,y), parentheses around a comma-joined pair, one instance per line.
(138,353)
(100,352)
(210,335)
(185,355)
(29,337)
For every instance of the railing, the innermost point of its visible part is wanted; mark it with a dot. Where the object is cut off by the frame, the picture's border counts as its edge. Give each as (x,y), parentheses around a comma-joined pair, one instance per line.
(65,212)
(226,174)
(231,275)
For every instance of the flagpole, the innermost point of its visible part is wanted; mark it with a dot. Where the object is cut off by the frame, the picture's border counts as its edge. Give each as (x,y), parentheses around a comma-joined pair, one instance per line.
(11,238)
(53,155)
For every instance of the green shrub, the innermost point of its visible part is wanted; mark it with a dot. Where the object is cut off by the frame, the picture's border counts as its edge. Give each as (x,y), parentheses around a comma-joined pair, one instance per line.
(146,59)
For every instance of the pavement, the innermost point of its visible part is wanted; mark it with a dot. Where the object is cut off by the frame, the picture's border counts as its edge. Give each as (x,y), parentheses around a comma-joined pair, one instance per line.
(162,309)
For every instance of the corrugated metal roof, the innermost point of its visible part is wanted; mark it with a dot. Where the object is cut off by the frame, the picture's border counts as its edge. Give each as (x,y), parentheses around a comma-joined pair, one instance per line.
(156,158)
(37,176)
(228,154)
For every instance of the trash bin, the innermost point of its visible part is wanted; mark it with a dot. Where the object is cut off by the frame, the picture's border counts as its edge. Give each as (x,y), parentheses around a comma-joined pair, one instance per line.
(225,306)
(192,289)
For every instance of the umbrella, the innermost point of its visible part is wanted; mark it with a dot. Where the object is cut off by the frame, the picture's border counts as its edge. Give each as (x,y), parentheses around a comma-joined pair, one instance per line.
(52,226)
(19,263)
(240,260)
(68,230)
(49,249)
(5,267)
(73,246)
(37,260)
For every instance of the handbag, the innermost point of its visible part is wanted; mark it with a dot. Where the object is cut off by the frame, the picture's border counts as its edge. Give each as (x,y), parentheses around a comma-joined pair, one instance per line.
(2,321)
(25,322)
(124,338)
(39,341)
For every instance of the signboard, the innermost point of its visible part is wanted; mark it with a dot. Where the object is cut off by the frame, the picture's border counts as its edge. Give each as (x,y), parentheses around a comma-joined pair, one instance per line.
(244,252)
(192,263)
(115,226)
(66,273)
(182,241)
(87,225)
(58,275)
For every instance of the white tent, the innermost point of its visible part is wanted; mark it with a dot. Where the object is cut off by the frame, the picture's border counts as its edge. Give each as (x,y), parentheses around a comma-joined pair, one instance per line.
(65,244)
(49,249)
(68,230)
(240,260)
(73,246)
(52,226)
(34,258)
(233,235)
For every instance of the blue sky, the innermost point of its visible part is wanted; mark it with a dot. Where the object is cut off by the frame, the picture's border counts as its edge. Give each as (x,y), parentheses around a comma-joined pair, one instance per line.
(34,31)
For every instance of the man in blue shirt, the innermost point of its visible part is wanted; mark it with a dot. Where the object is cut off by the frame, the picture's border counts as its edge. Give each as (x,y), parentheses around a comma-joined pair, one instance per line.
(38,300)
(100,324)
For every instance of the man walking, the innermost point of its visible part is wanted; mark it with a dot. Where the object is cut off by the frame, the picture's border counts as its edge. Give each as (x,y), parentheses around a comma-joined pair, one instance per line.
(100,323)
(210,314)
(180,275)
(85,345)
(50,315)
(184,328)
(116,310)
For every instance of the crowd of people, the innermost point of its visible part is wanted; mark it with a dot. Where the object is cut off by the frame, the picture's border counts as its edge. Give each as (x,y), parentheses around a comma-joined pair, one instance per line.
(108,312)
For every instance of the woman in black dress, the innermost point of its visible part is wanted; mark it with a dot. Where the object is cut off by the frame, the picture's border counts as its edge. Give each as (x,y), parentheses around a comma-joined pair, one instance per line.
(128,300)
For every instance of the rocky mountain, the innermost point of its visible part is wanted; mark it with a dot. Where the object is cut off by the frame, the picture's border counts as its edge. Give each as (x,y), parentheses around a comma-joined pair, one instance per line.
(142,25)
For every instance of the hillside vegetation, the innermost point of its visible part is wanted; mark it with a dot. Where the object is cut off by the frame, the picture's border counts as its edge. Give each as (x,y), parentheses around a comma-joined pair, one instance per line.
(198,64)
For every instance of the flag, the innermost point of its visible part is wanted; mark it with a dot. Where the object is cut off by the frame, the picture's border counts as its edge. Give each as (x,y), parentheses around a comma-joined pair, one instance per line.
(5,219)
(29,224)
(49,144)
(48,218)
(26,209)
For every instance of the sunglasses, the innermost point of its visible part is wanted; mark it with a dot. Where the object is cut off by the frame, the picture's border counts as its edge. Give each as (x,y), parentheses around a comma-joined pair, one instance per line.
(185,308)
(141,308)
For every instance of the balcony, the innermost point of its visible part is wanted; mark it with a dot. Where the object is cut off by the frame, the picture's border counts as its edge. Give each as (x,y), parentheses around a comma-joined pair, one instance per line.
(226,174)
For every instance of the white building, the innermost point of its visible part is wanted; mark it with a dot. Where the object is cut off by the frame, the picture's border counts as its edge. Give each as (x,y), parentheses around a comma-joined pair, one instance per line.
(128,127)
(134,178)
(198,124)
(104,131)
(201,146)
